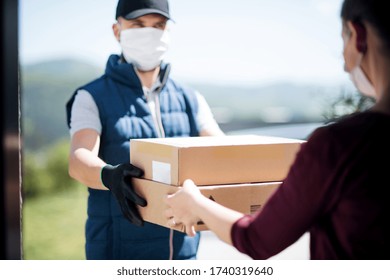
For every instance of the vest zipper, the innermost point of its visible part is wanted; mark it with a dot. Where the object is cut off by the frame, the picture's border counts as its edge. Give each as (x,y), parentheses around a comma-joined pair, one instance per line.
(157,108)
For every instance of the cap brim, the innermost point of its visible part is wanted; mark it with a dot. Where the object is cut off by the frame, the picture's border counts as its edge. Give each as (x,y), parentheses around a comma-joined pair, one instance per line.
(142,12)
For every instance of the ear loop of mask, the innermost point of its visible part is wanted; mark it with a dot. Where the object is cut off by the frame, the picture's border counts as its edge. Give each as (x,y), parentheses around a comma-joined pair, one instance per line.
(361,37)
(359,78)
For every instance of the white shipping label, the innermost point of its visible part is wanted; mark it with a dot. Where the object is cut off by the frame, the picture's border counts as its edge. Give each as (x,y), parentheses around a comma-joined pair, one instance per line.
(161,172)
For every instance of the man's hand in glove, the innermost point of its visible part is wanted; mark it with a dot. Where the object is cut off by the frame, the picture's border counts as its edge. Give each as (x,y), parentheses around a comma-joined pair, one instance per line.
(118,180)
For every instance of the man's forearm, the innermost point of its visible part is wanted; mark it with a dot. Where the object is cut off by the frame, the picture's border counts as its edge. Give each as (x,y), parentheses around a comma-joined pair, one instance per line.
(86,167)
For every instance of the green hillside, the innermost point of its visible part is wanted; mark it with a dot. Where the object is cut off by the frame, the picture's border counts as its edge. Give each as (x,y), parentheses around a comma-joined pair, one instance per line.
(46,87)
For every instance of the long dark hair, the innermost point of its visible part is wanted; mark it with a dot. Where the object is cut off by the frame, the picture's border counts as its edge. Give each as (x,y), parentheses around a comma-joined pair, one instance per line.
(374,12)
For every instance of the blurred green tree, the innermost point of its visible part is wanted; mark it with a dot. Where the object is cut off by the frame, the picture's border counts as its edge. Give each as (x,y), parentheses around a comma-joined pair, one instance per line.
(47,172)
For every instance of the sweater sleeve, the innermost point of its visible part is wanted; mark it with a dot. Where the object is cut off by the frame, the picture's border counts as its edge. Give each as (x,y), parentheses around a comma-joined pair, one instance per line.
(291,210)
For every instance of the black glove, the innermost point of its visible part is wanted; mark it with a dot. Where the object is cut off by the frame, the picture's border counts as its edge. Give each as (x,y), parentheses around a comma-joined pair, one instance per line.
(118,180)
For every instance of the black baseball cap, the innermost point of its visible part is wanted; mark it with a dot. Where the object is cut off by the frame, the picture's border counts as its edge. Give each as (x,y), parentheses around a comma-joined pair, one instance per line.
(131,9)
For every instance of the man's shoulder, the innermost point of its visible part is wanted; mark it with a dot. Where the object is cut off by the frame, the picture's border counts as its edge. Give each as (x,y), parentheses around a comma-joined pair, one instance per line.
(95,86)
(94,82)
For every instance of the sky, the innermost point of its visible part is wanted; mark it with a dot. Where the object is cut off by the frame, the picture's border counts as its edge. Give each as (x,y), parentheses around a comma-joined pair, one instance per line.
(228,42)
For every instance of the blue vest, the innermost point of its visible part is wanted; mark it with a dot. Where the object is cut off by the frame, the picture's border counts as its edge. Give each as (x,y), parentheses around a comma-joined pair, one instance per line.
(125,115)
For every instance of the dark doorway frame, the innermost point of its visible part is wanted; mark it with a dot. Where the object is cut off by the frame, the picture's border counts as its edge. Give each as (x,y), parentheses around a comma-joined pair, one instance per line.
(10,161)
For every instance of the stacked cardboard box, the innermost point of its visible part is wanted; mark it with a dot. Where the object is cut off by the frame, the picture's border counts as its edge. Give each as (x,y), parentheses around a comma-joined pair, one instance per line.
(240,172)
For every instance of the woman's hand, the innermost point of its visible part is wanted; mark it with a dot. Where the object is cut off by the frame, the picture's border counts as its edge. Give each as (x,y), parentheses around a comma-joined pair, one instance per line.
(183,205)
(188,206)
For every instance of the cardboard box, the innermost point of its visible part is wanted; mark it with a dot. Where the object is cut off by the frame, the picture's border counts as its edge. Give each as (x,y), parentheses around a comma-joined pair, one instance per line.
(215,159)
(244,198)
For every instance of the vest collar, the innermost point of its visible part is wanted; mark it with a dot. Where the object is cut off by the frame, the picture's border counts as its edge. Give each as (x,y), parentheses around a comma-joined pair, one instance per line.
(124,72)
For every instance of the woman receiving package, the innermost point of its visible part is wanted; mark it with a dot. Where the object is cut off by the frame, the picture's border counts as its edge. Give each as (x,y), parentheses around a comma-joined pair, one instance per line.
(338,187)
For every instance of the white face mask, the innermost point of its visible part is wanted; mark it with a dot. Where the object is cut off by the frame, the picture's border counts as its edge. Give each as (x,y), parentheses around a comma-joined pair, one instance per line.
(360,80)
(144,47)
